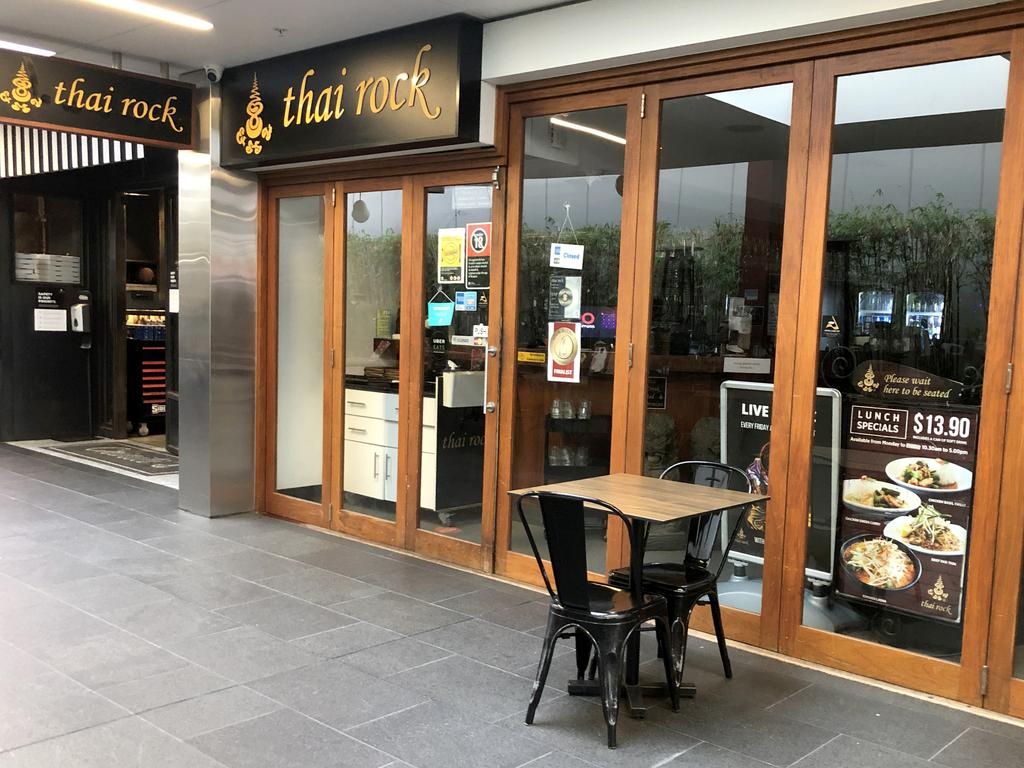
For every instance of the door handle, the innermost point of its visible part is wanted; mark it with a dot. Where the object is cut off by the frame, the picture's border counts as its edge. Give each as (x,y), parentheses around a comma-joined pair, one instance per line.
(360,430)
(376,458)
(489,406)
(356,403)
(387,466)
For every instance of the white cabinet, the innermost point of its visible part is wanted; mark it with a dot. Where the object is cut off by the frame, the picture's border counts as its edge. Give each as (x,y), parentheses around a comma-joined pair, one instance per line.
(390,474)
(363,469)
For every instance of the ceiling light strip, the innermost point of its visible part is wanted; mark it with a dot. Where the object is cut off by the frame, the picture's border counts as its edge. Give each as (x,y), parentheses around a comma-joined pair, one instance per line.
(562,122)
(155,12)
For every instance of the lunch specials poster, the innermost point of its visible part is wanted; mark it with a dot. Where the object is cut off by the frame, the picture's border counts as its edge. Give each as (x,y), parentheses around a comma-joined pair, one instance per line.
(907,489)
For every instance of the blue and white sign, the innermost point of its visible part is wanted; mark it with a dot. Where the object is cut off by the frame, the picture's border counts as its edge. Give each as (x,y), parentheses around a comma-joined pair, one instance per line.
(567,255)
(465,301)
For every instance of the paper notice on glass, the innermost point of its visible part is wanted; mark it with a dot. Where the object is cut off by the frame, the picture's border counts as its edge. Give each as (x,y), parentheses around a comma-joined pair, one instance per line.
(564,352)
(564,297)
(567,255)
(50,320)
(451,255)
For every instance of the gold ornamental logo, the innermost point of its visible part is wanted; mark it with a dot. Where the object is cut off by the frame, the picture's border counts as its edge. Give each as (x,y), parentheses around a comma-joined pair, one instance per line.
(756,517)
(255,131)
(868,383)
(938,591)
(20,97)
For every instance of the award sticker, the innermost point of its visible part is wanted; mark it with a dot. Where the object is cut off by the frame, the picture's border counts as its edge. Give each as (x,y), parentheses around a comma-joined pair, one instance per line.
(451,255)
(564,352)
(564,297)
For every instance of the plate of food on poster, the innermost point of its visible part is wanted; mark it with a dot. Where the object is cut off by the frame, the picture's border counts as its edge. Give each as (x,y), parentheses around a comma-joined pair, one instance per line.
(880,564)
(929,476)
(871,495)
(929,532)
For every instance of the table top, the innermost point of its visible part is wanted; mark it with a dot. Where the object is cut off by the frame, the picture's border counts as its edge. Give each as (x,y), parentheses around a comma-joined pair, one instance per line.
(651,499)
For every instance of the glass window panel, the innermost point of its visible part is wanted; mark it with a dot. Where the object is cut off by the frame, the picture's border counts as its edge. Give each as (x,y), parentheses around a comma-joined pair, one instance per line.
(714,310)
(452,462)
(572,195)
(373,277)
(907,279)
(300,347)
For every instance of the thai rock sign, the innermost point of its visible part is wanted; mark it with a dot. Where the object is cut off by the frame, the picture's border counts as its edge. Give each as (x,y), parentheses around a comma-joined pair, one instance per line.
(907,497)
(891,381)
(69,95)
(418,86)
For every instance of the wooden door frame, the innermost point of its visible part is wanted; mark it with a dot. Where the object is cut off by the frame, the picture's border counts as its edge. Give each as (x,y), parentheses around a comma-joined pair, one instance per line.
(514,565)
(268,499)
(753,628)
(955,681)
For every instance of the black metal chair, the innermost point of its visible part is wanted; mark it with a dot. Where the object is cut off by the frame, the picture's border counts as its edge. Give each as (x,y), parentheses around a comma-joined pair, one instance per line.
(597,615)
(693,582)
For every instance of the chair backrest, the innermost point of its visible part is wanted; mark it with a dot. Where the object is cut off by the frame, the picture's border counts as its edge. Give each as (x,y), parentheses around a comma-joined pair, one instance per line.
(563,518)
(704,530)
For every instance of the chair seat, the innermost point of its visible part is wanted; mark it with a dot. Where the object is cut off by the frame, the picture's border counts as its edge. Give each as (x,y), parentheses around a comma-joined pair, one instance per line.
(659,577)
(611,602)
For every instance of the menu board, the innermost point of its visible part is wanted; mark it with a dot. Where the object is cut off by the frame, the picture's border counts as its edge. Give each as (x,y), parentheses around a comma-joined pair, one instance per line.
(745,424)
(907,496)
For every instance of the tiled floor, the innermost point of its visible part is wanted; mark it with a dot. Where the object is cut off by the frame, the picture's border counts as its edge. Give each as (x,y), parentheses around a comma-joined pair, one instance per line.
(134,635)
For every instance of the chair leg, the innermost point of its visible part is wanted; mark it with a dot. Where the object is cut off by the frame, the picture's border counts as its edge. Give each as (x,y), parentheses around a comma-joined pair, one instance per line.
(611,682)
(547,652)
(670,677)
(716,615)
(583,647)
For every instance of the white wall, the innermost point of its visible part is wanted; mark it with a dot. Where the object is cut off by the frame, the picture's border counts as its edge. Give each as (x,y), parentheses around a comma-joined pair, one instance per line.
(603,33)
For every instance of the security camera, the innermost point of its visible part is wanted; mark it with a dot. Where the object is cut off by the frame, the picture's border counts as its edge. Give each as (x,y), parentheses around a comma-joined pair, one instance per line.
(213,72)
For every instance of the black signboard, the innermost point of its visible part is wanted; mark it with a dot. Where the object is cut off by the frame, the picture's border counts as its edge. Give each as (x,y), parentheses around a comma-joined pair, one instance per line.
(907,499)
(746,424)
(416,86)
(69,95)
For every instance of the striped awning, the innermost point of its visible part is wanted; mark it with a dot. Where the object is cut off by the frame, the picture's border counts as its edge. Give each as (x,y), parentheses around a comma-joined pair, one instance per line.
(26,151)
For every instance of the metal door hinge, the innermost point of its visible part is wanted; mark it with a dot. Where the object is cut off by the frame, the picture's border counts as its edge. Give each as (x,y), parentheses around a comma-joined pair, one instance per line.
(496,177)
(643,105)
(332,357)
(984,680)
(1009,377)
(334,196)
(630,358)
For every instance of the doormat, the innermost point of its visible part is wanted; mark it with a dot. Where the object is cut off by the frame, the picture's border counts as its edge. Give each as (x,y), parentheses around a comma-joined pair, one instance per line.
(134,458)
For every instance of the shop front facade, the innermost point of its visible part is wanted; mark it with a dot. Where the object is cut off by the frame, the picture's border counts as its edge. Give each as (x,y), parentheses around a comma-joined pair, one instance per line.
(802,258)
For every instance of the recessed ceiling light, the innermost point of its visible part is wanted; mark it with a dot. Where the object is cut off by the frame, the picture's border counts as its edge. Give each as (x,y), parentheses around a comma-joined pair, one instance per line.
(29,49)
(159,13)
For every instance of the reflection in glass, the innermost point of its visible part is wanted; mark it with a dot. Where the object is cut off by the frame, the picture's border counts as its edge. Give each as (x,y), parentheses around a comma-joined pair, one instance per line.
(715,302)
(452,461)
(300,347)
(572,197)
(373,264)
(908,260)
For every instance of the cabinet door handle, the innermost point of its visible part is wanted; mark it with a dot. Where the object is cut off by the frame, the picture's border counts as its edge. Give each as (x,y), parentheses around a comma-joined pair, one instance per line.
(387,466)
(376,458)
(360,430)
(356,402)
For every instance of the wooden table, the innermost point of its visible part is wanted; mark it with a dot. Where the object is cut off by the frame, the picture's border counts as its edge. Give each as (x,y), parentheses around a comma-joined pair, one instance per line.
(646,500)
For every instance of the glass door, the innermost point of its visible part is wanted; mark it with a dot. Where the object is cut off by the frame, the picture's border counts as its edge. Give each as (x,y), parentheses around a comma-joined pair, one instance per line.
(905,317)
(715,293)
(296,368)
(571,217)
(455,303)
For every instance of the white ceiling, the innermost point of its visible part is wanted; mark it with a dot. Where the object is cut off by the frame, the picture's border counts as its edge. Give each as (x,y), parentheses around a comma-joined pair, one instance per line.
(244,30)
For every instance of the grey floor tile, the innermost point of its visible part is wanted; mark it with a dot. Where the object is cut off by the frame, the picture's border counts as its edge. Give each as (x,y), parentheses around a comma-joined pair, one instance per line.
(488,693)
(487,600)
(214,590)
(100,595)
(709,756)
(50,624)
(976,748)
(556,759)
(47,571)
(96,546)
(524,617)
(433,735)
(397,656)
(169,620)
(17,665)
(141,527)
(127,743)
(321,587)
(578,728)
(210,712)
(196,545)
(337,694)
(400,613)
(108,659)
(99,512)
(179,684)
(47,705)
(152,566)
(917,733)
(242,654)
(848,752)
(489,643)
(345,640)
(286,738)
(254,565)
(346,560)
(286,617)
(288,543)
(429,584)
